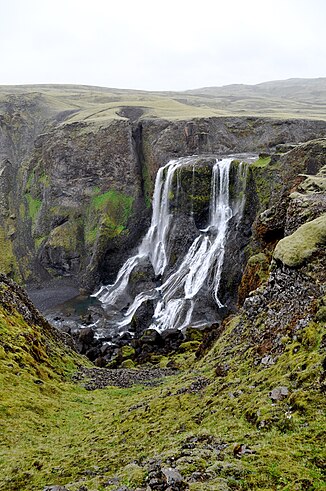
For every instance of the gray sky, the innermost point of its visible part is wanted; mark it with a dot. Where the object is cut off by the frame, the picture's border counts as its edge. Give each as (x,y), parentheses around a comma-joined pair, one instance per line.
(170,45)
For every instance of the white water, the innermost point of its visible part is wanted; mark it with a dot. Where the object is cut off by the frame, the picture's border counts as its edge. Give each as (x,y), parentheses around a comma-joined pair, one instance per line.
(154,244)
(202,265)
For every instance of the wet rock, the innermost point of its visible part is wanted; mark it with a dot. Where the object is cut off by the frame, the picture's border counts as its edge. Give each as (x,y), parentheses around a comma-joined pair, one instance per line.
(172,338)
(142,318)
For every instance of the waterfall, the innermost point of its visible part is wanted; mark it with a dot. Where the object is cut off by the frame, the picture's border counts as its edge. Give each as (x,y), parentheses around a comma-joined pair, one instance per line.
(177,297)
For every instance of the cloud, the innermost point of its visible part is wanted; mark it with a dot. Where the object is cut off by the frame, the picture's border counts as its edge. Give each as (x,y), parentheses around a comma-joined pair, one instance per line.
(153,45)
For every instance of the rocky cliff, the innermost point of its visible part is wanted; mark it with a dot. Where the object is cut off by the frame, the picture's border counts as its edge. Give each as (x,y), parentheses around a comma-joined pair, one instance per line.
(75,195)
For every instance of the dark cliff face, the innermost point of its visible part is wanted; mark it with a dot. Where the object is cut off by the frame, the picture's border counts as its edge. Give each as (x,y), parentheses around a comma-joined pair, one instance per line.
(85,181)
(75,200)
(165,140)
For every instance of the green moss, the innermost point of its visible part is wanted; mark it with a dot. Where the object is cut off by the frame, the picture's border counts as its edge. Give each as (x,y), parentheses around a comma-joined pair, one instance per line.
(127,352)
(259,258)
(39,241)
(44,179)
(34,206)
(263,161)
(148,186)
(127,364)
(117,204)
(321,314)
(303,243)
(91,234)
(64,236)
(189,346)
(107,215)
(193,334)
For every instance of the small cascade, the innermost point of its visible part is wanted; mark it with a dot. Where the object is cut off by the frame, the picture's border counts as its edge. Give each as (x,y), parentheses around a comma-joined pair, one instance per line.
(177,298)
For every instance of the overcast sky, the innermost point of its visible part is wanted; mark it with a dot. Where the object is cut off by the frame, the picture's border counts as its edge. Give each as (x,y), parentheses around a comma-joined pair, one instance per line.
(155,45)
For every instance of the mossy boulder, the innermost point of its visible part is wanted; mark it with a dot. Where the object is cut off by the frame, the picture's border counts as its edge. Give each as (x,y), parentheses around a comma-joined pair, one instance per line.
(295,249)
(127,352)
(127,364)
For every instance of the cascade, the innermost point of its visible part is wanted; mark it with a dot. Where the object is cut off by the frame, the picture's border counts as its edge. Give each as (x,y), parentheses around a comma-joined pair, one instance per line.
(177,298)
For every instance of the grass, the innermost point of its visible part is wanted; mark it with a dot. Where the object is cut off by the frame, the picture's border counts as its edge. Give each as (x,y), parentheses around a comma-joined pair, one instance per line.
(99,104)
(56,432)
(262,162)
(34,206)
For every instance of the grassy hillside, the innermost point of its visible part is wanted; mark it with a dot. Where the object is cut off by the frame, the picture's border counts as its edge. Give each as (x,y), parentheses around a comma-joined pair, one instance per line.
(294,98)
(230,421)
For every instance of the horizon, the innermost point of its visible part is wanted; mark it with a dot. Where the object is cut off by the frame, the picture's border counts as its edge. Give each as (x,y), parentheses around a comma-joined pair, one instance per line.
(49,84)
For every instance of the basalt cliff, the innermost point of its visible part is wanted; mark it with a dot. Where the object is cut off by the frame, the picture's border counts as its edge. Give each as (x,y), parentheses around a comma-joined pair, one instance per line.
(75,195)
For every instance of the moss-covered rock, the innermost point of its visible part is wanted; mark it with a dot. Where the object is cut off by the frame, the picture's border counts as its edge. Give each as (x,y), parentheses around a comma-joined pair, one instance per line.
(127,352)
(127,364)
(294,250)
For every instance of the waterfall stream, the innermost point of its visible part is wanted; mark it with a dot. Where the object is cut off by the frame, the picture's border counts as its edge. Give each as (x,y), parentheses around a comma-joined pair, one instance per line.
(177,298)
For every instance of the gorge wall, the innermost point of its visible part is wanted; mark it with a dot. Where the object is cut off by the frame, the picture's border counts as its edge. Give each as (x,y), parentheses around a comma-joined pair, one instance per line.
(75,196)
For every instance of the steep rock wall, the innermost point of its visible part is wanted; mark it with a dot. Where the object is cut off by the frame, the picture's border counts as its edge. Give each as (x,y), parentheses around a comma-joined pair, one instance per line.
(75,200)
(79,191)
(163,140)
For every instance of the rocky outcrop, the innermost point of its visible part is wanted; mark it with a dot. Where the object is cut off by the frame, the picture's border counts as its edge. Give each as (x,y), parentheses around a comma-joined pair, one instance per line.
(164,140)
(27,339)
(296,216)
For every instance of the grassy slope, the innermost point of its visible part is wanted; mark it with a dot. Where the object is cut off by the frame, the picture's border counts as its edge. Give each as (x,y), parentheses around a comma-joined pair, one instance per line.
(56,432)
(293,98)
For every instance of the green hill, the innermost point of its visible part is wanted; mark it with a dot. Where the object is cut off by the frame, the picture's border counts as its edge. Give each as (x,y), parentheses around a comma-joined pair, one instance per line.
(293,98)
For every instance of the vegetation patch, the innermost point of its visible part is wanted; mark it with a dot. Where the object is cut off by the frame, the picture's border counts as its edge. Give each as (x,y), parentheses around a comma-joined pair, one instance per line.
(108,215)
(8,262)
(262,161)
(64,236)
(34,206)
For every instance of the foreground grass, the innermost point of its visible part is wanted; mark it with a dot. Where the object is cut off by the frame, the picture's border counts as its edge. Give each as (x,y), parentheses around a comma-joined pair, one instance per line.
(56,432)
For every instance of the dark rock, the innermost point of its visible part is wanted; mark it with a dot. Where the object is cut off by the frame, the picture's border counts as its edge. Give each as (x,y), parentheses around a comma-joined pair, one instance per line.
(86,336)
(172,338)
(241,449)
(142,318)
(220,371)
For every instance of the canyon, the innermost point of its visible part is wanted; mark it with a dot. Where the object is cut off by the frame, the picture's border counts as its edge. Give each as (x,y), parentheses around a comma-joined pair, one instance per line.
(202,236)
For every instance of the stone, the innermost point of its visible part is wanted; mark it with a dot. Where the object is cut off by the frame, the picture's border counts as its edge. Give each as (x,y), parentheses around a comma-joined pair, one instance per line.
(295,249)
(279,393)
(172,476)
(55,488)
